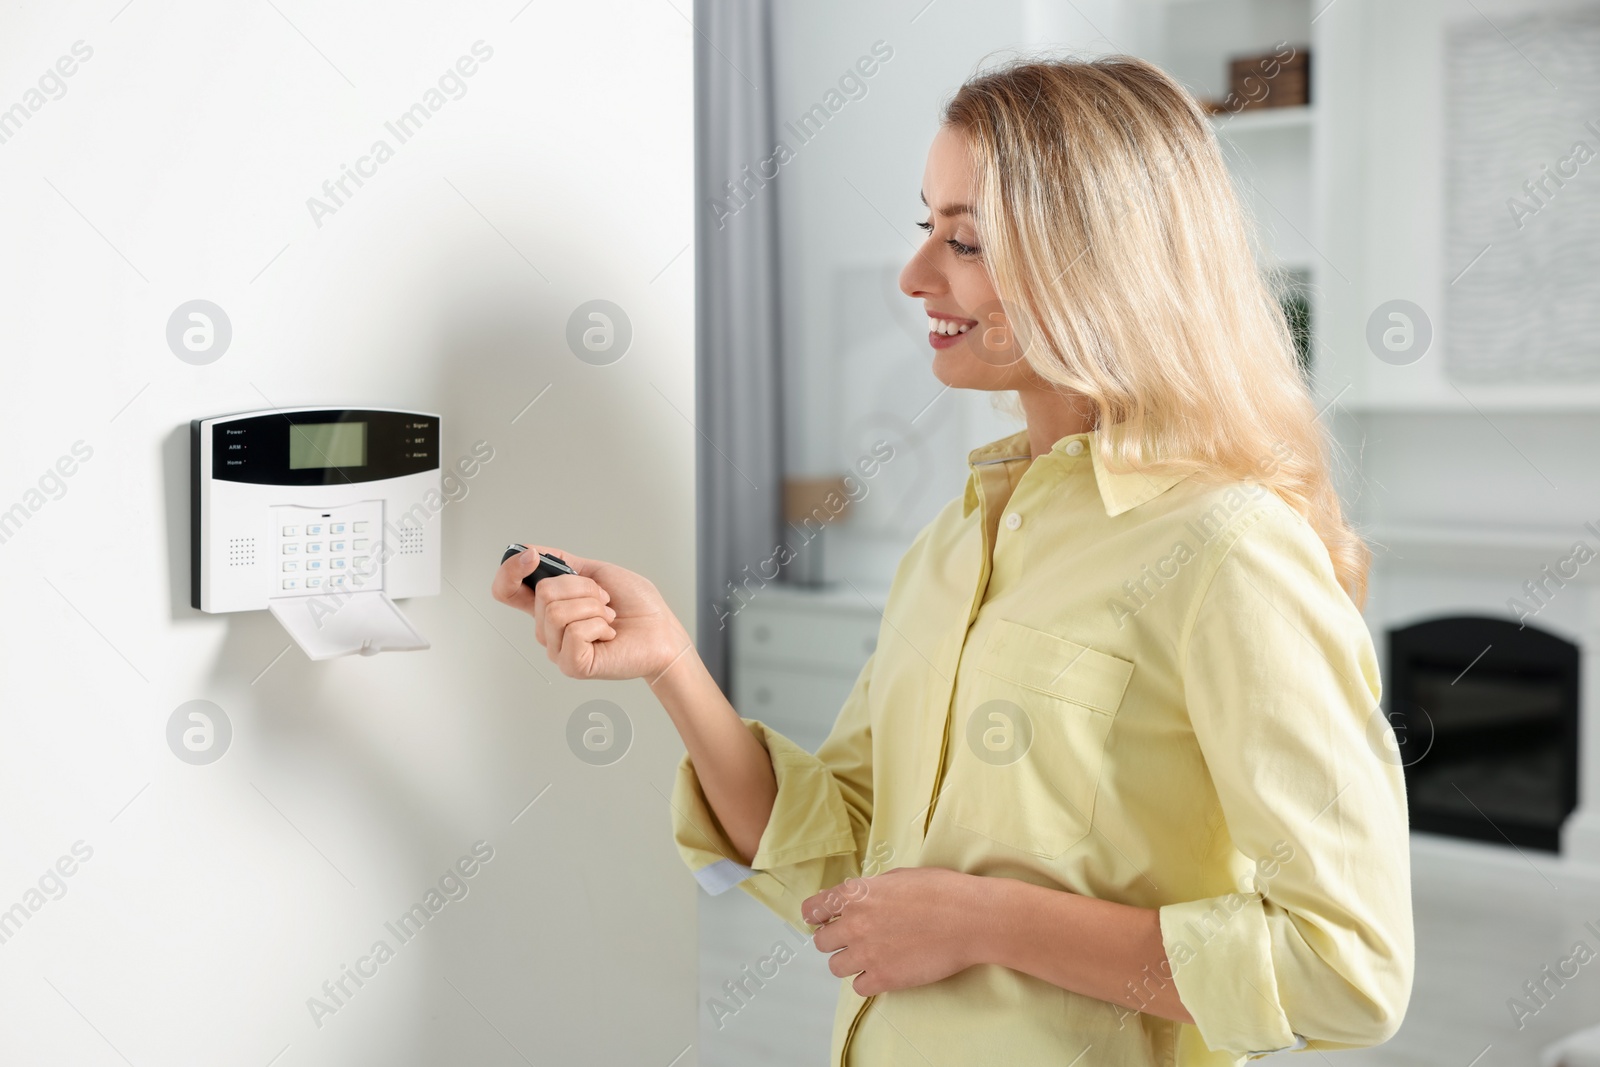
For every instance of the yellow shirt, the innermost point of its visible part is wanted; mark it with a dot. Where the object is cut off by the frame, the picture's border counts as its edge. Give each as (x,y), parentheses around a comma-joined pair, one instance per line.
(1144,689)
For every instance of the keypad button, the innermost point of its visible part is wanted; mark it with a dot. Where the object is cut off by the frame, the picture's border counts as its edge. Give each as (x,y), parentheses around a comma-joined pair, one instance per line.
(337,581)
(313,564)
(359,544)
(336,564)
(291,531)
(335,546)
(291,565)
(315,546)
(359,527)
(314,531)
(291,583)
(313,583)
(291,550)
(336,528)
(362,563)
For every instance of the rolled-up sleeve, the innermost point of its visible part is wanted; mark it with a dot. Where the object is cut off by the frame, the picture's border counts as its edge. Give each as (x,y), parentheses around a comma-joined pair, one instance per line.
(1315,948)
(817,833)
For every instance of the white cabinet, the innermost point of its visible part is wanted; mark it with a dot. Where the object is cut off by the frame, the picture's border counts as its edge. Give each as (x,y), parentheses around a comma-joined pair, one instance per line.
(796,653)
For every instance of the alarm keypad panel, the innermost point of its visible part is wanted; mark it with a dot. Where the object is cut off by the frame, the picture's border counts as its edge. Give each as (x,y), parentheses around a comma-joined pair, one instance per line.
(321,550)
(293,503)
(322,516)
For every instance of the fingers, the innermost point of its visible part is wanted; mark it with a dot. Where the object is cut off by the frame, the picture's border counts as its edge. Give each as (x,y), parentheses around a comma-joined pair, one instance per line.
(828,904)
(581,564)
(835,933)
(508,589)
(507,586)
(845,963)
(821,908)
(830,937)
(553,618)
(561,611)
(575,653)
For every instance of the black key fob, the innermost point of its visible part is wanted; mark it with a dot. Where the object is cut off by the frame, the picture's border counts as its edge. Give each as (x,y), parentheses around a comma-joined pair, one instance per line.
(549,566)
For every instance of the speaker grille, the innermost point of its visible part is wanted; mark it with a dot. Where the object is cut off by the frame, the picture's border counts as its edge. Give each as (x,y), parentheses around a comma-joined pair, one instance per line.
(241,552)
(410,541)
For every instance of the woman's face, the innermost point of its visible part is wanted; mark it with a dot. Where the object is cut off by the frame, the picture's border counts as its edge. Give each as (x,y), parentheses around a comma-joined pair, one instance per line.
(948,275)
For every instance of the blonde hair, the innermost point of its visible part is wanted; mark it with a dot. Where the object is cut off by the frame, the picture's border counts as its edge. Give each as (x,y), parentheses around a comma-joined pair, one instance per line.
(1112,233)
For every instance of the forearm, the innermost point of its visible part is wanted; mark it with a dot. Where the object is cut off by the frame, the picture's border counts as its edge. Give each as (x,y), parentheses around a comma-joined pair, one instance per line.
(734,769)
(1099,948)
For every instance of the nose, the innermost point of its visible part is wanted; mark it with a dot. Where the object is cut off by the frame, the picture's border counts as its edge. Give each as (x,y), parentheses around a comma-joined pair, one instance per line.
(920,278)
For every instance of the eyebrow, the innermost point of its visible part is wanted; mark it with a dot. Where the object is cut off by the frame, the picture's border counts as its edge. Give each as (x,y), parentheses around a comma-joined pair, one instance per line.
(948,211)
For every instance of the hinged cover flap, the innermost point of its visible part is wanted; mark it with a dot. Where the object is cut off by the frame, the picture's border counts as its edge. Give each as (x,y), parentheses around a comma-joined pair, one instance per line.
(341,624)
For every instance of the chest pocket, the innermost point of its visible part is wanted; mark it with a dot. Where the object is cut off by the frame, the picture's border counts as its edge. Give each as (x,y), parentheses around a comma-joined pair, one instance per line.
(1031,738)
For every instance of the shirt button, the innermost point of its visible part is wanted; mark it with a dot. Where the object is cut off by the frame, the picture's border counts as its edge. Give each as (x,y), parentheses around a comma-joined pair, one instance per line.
(1074,448)
(1013,520)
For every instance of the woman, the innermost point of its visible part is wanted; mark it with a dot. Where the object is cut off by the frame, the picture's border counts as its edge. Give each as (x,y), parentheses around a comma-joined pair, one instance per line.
(1115,773)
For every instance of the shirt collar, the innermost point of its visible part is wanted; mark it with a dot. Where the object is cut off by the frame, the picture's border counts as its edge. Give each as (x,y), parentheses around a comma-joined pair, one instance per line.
(1119,492)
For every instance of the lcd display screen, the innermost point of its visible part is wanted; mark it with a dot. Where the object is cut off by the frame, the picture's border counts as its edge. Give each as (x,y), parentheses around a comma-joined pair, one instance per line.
(327,444)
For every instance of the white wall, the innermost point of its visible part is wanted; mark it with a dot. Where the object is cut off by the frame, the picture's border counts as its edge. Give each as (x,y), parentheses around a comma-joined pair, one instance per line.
(1388,205)
(1430,452)
(219,898)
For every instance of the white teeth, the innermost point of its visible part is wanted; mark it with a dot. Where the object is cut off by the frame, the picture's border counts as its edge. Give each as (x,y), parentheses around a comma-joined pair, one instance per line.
(947,327)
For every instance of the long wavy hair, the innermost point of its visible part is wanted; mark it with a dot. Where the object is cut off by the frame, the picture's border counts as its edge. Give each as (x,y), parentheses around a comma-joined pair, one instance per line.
(1124,261)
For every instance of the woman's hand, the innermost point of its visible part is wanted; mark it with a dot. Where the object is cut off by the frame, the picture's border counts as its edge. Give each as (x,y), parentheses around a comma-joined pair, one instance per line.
(909,926)
(603,622)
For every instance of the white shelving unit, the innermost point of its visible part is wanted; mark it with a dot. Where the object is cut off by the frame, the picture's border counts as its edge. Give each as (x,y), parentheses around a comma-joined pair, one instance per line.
(1272,152)
(1242,123)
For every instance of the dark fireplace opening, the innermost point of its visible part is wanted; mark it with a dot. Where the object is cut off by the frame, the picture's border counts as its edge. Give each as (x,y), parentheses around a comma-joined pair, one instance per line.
(1486,714)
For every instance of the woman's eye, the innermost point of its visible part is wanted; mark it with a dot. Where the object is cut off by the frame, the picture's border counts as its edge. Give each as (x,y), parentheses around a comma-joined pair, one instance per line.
(956,246)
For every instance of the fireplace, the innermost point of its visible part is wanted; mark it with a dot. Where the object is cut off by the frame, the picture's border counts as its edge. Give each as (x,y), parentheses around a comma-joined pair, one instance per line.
(1486,713)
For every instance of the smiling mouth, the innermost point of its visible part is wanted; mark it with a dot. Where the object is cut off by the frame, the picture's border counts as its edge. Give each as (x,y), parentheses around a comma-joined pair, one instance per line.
(943,331)
(943,326)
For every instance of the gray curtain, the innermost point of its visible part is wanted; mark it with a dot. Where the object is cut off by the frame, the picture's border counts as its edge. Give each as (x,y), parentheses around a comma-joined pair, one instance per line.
(739,465)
